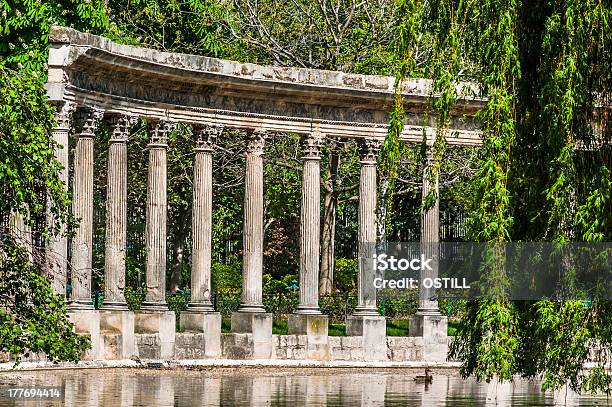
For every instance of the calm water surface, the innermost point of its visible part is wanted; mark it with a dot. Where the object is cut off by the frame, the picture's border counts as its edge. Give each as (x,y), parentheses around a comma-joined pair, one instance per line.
(274,387)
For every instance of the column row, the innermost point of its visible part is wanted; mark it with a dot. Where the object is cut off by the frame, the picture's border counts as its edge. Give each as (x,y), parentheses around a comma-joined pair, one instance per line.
(84,122)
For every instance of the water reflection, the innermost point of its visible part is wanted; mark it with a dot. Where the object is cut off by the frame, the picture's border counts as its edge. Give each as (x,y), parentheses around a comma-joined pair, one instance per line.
(272,387)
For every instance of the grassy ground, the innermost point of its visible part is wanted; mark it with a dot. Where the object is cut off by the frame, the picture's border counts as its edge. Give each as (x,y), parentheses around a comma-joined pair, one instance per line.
(394,328)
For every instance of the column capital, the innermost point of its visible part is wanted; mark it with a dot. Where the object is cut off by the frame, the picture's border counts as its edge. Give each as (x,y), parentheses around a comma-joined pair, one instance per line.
(205,137)
(159,132)
(311,146)
(120,125)
(86,120)
(63,114)
(256,141)
(368,150)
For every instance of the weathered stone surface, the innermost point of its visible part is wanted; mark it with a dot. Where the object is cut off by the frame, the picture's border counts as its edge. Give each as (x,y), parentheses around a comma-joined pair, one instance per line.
(372,331)
(202,218)
(116,213)
(367,227)
(310,225)
(82,242)
(57,249)
(117,334)
(160,84)
(315,329)
(87,322)
(237,346)
(433,331)
(259,326)
(209,325)
(159,323)
(156,214)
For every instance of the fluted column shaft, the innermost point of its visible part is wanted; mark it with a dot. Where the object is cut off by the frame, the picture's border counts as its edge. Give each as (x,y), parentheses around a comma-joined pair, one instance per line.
(57,247)
(367,227)
(82,243)
(202,219)
(252,266)
(430,237)
(156,217)
(116,214)
(310,226)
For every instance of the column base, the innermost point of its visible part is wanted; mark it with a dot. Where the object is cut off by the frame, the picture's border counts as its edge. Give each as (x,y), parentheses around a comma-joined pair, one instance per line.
(161,306)
(428,326)
(156,332)
(315,327)
(366,312)
(433,329)
(303,310)
(373,331)
(259,308)
(259,325)
(80,305)
(87,322)
(209,325)
(117,334)
(114,306)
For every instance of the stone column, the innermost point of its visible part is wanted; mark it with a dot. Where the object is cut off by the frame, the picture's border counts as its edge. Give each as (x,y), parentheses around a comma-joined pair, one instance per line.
(202,219)
(200,316)
(156,212)
(86,121)
(57,247)
(366,322)
(116,321)
(252,267)
(116,213)
(308,319)
(310,226)
(428,323)
(20,229)
(367,227)
(430,237)
(251,316)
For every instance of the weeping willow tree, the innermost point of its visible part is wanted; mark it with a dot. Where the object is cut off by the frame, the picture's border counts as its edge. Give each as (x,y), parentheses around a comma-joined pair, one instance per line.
(545,67)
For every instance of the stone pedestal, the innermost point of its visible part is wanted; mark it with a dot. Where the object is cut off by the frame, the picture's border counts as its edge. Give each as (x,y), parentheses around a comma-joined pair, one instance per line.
(433,330)
(117,334)
(87,322)
(373,331)
(208,324)
(259,325)
(161,325)
(315,327)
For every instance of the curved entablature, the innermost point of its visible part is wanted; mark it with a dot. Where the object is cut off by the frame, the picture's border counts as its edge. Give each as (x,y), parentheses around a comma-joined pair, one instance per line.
(95,72)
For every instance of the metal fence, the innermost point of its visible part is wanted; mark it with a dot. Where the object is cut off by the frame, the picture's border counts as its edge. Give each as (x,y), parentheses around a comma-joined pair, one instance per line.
(336,306)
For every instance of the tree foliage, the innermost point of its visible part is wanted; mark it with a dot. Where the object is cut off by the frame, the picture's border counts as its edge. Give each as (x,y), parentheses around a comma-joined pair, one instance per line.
(32,317)
(543,171)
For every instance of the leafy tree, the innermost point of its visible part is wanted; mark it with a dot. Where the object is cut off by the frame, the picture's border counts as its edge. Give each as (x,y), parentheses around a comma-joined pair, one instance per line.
(32,318)
(543,172)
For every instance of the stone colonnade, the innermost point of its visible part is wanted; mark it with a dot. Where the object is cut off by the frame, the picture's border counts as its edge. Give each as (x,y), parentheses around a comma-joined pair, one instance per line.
(91,78)
(251,317)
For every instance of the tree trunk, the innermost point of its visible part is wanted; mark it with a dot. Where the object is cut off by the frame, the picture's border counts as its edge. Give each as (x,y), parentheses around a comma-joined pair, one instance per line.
(326,277)
(178,248)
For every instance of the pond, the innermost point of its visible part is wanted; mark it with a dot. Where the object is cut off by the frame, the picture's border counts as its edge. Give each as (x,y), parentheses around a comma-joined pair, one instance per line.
(278,387)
